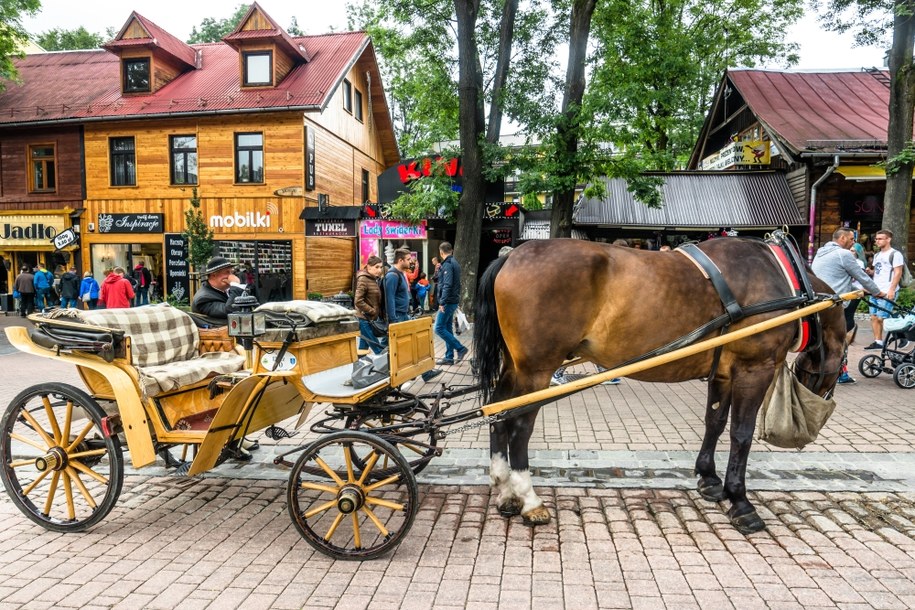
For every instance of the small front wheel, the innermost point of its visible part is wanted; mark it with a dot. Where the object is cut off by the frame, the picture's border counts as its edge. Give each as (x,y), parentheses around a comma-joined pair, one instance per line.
(905,376)
(871,365)
(57,464)
(340,507)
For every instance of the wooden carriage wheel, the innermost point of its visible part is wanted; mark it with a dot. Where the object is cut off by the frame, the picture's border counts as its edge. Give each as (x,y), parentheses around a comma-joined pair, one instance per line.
(58,465)
(340,508)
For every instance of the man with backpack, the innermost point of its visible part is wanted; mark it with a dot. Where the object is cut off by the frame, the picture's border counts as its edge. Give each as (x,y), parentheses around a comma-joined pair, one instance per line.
(396,290)
(44,281)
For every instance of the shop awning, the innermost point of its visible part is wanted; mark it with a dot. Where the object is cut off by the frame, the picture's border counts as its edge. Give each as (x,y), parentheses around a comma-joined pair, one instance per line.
(862,173)
(332,212)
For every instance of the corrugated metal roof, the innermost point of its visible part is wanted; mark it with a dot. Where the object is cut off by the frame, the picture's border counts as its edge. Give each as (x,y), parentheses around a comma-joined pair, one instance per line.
(276,34)
(818,110)
(540,229)
(80,85)
(698,200)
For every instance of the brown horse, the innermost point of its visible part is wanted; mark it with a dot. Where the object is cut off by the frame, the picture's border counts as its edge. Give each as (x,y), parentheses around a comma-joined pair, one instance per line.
(551,300)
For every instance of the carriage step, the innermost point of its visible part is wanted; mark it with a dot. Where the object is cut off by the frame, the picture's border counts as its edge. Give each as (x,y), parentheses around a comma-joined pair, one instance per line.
(276,433)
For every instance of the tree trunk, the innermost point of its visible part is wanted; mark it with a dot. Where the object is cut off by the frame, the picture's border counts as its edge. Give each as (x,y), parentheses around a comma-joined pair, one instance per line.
(898,197)
(569,128)
(472,126)
(503,61)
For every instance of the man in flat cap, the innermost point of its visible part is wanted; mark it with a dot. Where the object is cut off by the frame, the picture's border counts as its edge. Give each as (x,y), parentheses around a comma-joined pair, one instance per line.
(216,297)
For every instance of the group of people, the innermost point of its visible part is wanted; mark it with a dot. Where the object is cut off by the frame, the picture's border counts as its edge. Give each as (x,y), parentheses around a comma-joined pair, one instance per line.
(843,264)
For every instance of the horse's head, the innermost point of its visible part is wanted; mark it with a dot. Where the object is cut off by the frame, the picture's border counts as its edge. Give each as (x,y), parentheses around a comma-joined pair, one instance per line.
(819,368)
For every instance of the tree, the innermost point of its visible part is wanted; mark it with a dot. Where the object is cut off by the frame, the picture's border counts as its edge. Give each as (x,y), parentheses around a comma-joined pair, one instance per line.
(60,39)
(199,238)
(871,22)
(293,29)
(13,35)
(213,30)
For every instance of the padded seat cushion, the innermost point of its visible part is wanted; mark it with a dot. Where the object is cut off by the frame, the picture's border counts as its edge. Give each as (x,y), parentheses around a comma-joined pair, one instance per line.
(159,334)
(329,383)
(174,375)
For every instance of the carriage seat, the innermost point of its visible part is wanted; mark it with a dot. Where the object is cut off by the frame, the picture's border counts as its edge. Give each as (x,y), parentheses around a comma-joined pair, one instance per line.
(164,345)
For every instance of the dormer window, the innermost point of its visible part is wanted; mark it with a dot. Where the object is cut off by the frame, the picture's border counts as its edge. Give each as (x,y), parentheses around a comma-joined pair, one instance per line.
(258,68)
(136,75)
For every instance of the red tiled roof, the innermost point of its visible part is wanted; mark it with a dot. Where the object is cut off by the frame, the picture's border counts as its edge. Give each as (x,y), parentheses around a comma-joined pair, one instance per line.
(85,85)
(818,110)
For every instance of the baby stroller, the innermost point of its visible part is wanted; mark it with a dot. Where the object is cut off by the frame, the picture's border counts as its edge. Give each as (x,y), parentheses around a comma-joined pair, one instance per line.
(898,354)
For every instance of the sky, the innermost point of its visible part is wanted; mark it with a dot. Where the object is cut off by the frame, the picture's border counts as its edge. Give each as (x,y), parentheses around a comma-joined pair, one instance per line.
(819,49)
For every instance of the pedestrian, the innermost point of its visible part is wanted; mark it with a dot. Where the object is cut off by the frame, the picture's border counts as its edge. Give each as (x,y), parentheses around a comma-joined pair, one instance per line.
(69,289)
(89,290)
(215,299)
(449,297)
(367,301)
(433,294)
(836,265)
(397,296)
(44,283)
(25,286)
(888,264)
(116,292)
(143,279)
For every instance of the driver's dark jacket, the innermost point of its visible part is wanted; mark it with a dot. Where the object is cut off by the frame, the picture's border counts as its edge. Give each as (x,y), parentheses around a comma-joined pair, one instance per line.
(215,304)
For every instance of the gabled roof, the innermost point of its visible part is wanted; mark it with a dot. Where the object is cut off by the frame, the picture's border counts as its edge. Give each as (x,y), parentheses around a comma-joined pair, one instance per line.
(808,111)
(274,33)
(156,39)
(698,200)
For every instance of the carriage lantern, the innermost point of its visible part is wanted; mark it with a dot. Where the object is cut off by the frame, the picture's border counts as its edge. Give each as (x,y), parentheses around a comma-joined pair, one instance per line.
(245,324)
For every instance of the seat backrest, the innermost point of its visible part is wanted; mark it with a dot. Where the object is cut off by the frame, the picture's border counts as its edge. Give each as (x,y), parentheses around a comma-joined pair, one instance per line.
(159,334)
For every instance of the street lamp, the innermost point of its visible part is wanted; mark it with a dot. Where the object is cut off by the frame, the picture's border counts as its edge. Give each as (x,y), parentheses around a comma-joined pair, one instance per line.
(245,324)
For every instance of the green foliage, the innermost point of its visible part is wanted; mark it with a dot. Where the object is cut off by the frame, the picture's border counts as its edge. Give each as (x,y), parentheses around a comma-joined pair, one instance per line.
(429,196)
(60,39)
(905,297)
(198,235)
(869,21)
(895,163)
(12,35)
(213,30)
(293,29)
(183,304)
(315,296)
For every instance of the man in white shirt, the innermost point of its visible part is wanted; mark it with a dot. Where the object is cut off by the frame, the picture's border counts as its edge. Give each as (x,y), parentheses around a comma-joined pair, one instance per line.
(887,273)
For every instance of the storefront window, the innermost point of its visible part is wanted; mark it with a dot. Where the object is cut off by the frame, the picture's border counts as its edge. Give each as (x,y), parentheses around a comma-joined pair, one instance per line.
(265,265)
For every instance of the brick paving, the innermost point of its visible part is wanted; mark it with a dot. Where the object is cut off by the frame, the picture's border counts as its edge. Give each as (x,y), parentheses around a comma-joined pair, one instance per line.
(612,463)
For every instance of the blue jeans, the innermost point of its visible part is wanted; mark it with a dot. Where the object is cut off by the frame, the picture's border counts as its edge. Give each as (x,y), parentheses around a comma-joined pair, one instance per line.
(42,301)
(443,329)
(374,343)
(142,295)
(67,302)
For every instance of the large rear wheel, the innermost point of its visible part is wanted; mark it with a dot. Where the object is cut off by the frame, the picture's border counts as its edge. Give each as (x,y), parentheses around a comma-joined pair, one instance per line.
(904,376)
(59,466)
(340,507)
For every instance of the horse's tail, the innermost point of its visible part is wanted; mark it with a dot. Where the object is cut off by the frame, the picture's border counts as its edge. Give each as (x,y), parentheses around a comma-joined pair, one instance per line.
(487,335)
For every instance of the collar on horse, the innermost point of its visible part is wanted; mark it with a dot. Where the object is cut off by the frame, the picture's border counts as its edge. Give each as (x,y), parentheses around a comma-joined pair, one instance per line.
(786,255)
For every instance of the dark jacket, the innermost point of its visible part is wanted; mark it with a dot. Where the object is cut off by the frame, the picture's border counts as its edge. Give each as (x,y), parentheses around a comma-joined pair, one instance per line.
(142,276)
(25,283)
(368,296)
(215,304)
(449,282)
(396,296)
(69,285)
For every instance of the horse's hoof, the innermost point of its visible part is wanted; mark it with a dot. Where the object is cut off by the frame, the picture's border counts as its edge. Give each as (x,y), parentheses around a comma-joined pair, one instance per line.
(712,492)
(536,516)
(510,507)
(749,523)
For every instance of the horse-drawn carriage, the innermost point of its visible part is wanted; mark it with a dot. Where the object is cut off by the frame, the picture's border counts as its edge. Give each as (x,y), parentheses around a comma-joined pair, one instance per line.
(156,383)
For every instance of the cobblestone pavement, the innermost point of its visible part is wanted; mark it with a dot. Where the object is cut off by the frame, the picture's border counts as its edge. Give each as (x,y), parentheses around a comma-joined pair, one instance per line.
(613,463)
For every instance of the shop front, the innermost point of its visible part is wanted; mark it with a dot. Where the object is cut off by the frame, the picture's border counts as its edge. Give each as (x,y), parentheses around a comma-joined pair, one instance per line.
(26,239)
(381,237)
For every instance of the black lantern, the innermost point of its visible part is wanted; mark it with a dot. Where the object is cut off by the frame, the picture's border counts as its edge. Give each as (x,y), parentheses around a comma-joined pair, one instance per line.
(245,323)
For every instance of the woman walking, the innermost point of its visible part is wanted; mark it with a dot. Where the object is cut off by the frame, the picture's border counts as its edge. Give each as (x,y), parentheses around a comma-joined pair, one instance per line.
(368,301)
(89,287)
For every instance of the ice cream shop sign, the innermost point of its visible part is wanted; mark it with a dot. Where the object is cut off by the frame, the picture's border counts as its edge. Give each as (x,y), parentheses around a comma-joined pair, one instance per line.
(391,229)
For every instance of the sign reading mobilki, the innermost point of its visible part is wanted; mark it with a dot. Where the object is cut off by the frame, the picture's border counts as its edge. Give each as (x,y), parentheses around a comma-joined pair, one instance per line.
(248,220)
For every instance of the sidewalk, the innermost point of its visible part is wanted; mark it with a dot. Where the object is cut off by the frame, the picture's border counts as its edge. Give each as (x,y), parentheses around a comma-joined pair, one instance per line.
(613,463)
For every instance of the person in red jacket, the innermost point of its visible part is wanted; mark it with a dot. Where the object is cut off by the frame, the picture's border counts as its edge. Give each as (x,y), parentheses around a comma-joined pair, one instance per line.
(117,293)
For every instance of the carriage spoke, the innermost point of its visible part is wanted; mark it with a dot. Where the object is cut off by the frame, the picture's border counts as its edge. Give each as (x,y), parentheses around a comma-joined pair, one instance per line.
(86,470)
(74,476)
(373,458)
(384,503)
(391,479)
(89,453)
(21,463)
(35,426)
(320,509)
(348,457)
(318,487)
(27,441)
(329,471)
(381,528)
(68,420)
(357,535)
(333,527)
(50,500)
(81,436)
(35,483)
(71,507)
(52,419)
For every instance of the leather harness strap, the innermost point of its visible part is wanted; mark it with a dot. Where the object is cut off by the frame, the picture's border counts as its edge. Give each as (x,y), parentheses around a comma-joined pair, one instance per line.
(713,273)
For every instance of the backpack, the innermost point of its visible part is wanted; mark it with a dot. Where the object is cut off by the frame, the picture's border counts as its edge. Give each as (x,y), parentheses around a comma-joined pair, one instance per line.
(906,279)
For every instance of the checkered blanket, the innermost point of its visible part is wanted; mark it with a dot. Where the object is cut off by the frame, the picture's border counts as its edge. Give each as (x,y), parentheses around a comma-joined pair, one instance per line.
(316,311)
(163,346)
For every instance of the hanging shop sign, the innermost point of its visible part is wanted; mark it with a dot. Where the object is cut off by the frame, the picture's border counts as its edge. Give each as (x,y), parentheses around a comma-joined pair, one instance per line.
(131,223)
(177,269)
(65,238)
(31,229)
(391,229)
(309,159)
(749,152)
(330,228)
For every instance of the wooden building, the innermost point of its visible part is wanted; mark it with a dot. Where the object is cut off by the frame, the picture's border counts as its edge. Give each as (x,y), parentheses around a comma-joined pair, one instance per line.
(260,126)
